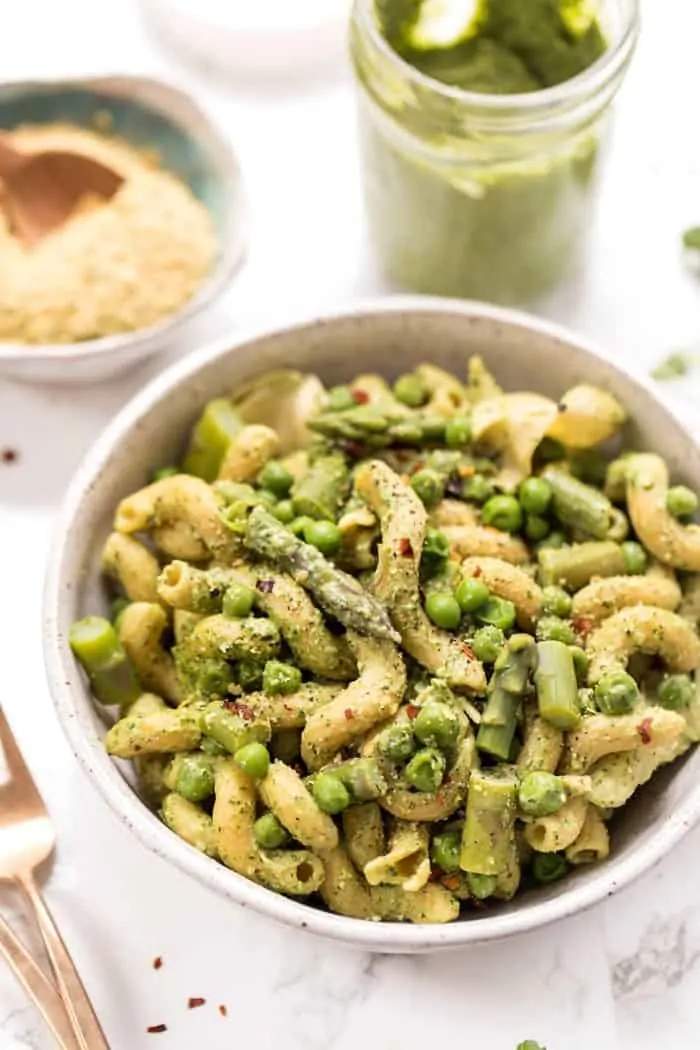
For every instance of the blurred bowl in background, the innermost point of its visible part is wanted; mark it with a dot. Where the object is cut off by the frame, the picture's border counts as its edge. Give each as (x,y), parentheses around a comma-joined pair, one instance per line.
(147,114)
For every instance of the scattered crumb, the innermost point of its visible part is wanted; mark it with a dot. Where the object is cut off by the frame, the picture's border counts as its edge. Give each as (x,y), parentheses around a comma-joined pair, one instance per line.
(157,962)
(9,455)
(223,1010)
(194,1001)
(156,1029)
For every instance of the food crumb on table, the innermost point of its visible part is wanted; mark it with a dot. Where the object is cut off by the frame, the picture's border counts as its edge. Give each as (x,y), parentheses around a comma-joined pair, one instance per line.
(194,1001)
(158,962)
(9,455)
(156,1029)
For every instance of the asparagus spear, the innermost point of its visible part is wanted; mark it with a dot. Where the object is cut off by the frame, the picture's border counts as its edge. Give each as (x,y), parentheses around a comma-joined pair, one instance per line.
(339,594)
(321,491)
(505,692)
(378,429)
(489,826)
(578,505)
(557,689)
(574,567)
(96,645)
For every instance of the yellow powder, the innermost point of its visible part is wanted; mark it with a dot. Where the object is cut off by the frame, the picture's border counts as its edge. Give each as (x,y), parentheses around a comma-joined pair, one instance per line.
(115,266)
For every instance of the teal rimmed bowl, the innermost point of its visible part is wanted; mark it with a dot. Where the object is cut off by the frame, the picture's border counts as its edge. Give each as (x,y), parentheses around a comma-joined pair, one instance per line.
(146,113)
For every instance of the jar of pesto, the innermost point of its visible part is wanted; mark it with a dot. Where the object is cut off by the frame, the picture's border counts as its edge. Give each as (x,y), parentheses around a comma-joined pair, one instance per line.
(481,128)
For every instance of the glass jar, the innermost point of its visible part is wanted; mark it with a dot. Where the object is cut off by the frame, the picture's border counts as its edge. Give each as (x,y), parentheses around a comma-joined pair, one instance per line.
(475,195)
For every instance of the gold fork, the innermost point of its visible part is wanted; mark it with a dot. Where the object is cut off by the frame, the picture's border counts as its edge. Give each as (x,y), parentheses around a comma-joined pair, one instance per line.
(27,840)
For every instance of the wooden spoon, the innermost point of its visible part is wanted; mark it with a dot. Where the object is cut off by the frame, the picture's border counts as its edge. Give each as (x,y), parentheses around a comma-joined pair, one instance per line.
(41,190)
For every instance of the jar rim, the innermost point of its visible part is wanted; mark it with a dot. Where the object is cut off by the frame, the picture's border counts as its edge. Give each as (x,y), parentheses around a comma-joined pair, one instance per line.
(586,83)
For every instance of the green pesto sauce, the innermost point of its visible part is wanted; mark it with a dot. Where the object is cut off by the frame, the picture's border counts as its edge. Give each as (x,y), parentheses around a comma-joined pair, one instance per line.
(517,46)
(456,227)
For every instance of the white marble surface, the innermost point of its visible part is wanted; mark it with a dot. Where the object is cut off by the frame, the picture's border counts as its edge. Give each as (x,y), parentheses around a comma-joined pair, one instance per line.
(625,976)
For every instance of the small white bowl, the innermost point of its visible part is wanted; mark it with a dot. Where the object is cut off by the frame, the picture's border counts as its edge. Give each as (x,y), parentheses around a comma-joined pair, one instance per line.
(147,113)
(391,335)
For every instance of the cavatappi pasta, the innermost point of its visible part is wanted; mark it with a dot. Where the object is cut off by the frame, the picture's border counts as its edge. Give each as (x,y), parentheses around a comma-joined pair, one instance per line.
(400,649)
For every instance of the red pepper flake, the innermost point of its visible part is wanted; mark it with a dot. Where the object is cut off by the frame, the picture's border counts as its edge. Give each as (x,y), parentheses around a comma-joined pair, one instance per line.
(417,466)
(349,714)
(405,548)
(468,652)
(450,882)
(412,711)
(194,1001)
(156,1029)
(245,712)
(223,1010)
(265,586)
(360,397)
(157,962)
(644,730)
(9,455)
(477,572)
(583,625)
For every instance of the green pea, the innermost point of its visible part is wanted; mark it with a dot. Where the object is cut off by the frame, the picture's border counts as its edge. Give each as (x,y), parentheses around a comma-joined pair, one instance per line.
(535,495)
(681,501)
(426,770)
(213,677)
(397,743)
(635,558)
(556,601)
(498,612)
(238,601)
(676,691)
(487,643)
(580,662)
(503,512)
(298,526)
(267,498)
(275,477)
(116,609)
(554,540)
(340,398)
(536,528)
(428,486)
(324,535)
(471,594)
(249,675)
(530,1044)
(284,511)
(549,867)
(437,725)
(165,472)
(445,849)
(458,432)
(279,677)
(540,794)
(443,609)
(436,550)
(481,886)
(269,833)
(554,629)
(330,793)
(616,693)
(195,778)
(410,390)
(254,759)
(477,488)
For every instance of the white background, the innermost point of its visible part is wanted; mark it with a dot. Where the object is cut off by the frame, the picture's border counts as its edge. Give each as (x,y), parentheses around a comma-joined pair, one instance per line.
(622,977)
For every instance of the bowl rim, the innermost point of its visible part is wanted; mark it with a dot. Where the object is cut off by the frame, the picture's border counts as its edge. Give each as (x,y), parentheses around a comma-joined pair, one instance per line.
(232,251)
(65,686)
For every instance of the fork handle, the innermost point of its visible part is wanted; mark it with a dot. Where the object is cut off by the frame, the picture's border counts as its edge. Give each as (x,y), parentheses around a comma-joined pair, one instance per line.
(87,1029)
(37,987)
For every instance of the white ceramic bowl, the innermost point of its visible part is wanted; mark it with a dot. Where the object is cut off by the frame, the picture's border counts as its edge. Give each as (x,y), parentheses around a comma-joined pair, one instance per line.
(151,114)
(392,335)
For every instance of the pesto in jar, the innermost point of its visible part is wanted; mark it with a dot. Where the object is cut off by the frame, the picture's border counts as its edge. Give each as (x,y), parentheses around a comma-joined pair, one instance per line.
(468,200)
